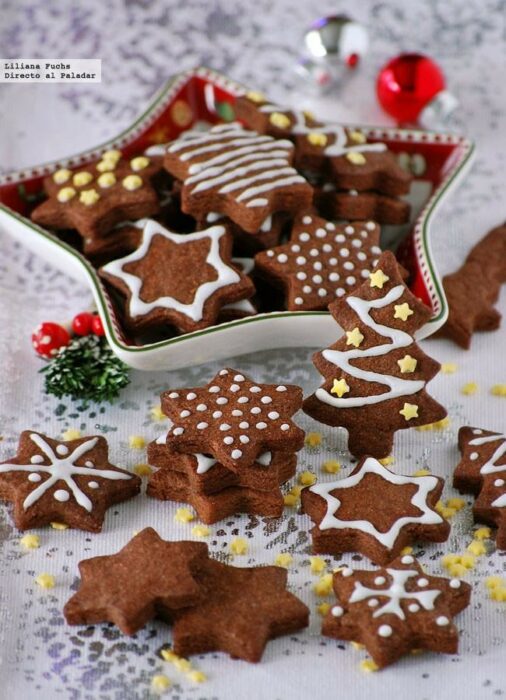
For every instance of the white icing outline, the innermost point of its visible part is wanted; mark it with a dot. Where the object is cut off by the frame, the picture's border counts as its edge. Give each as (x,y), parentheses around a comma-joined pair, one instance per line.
(491,466)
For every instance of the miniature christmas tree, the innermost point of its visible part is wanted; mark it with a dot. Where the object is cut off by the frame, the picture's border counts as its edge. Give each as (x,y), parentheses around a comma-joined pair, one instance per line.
(375,375)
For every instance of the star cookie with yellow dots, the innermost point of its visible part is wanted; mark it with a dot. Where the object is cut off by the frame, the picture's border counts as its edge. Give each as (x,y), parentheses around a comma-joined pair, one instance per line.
(375,512)
(321,262)
(97,196)
(396,610)
(379,363)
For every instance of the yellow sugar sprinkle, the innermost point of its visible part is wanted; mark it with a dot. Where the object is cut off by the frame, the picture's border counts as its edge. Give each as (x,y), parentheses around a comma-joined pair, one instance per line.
(89,197)
(280,120)
(324,585)
(457,570)
(296,490)
(482,533)
(82,178)
(385,461)
(290,500)
(66,194)
(168,655)
(368,666)
(498,390)
(477,548)
(438,425)
(422,472)
(183,515)
(59,526)
(142,470)
(45,581)
(200,531)
(317,565)
(456,503)
(313,439)
(139,163)
(132,182)
(331,466)
(105,165)
(182,664)
(358,646)
(495,582)
(61,176)
(498,594)
(160,683)
(357,136)
(323,609)
(106,180)
(239,546)
(316,138)
(113,154)
(197,676)
(448,368)
(283,559)
(71,434)
(157,413)
(136,442)
(355,157)
(307,478)
(30,541)
(255,96)
(468,560)
(406,550)
(469,389)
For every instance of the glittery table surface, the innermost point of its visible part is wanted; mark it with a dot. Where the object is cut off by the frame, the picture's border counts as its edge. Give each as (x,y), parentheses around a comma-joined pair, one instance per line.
(142,42)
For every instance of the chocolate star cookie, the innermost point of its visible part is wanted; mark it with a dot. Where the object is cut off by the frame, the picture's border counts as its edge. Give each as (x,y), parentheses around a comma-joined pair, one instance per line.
(352,205)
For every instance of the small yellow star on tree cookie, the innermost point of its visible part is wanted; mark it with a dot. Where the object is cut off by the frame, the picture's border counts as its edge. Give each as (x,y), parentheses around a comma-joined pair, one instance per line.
(409,411)
(378,279)
(340,387)
(407,364)
(354,337)
(403,311)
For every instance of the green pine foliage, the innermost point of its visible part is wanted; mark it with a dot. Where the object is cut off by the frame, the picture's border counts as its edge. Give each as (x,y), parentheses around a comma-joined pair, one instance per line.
(86,369)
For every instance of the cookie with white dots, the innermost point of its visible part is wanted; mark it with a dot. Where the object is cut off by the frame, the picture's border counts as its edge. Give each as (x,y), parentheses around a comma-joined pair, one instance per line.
(69,482)
(396,610)
(234,419)
(322,261)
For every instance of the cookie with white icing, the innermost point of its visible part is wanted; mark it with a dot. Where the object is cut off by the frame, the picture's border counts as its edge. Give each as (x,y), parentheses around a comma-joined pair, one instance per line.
(247,243)
(69,482)
(236,172)
(234,419)
(375,512)
(321,262)
(353,205)
(376,374)
(482,471)
(396,610)
(177,279)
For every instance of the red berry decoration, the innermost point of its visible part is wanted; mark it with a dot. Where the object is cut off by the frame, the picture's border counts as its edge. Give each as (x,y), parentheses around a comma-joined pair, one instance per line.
(96,326)
(48,338)
(82,323)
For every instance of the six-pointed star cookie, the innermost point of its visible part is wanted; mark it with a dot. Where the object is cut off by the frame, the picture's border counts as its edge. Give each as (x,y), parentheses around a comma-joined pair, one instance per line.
(236,172)
(242,610)
(178,279)
(322,261)
(68,482)
(375,512)
(482,471)
(234,419)
(96,197)
(148,578)
(396,609)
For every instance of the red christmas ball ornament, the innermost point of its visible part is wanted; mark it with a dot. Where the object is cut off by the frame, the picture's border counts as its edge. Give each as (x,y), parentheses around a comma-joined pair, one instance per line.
(48,338)
(82,323)
(411,87)
(96,326)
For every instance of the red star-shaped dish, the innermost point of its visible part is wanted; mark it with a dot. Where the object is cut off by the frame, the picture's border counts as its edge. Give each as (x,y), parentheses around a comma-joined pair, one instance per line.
(97,197)
(68,482)
(396,609)
(482,471)
(322,261)
(375,512)
(201,278)
(243,609)
(234,419)
(148,578)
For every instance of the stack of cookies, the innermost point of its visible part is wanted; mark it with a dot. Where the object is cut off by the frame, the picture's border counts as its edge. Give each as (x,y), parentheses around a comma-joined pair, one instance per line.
(231,445)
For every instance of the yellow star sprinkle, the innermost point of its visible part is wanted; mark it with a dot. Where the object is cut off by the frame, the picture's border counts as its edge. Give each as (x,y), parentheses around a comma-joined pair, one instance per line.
(317,565)
(142,470)
(112,155)
(358,646)
(132,182)
(160,683)
(139,163)
(197,676)
(284,559)
(422,472)
(136,442)
(255,96)
(409,411)
(477,548)
(317,139)
(307,478)
(157,413)
(182,664)
(469,389)
(456,502)
(498,594)
(45,581)
(296,490)
(61,176)
(183,515)
(482,533)
(407,364)
(313,439)
(378,279)
(495,582)
(82,178)
(406,550)
(498,390)
(323,587)
(30,541)
(332,466)
(355,157)
(385,461)
(280,120)
(106,180)
(290,500)
(357,137)
(89,197)
(340,387)
(71,434)
(200,531)
(66,194)
(354,338)
(323,609)
(239,546)
(448,368)
(403,311)
(368,666)
(59,526)
(168,655)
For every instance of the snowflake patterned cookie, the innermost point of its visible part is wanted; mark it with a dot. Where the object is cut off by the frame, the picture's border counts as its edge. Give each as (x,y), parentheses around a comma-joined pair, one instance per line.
(482,471)
(67,482)
(375,512)
(178,279)
(96,197)
(395,610)
(236,172)
(233,419)
(323,261)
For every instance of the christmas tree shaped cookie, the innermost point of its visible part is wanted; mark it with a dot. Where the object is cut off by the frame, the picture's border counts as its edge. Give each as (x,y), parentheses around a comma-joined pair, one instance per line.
(375,375)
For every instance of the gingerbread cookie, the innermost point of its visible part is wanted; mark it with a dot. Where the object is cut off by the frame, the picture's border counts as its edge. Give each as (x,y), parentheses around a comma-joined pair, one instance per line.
(201,278)
(148,578)
(396,610)
(352,205)
(97,197)
(247,243)
(121,241)
(233,419)
(482,471)
(69,482)
(322,261)
(236,172)
(375,512)
(375,375)
(242,609)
